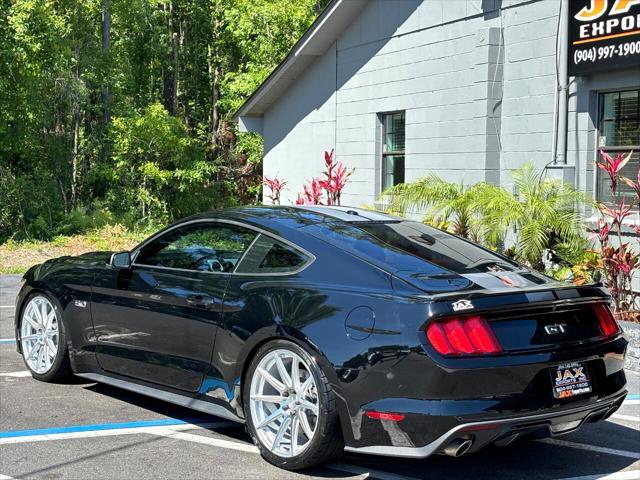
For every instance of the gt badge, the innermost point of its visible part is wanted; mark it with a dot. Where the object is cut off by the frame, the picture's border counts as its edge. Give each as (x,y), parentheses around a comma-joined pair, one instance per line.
(555,329)
(80,303)
(462,305)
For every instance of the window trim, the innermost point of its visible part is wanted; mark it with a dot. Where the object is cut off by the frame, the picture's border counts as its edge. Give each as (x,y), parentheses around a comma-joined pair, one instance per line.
(383,143)
(257,230)
(599,130)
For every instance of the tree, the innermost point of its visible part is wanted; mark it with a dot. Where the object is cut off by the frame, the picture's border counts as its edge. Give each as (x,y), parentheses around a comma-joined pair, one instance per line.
(72,67)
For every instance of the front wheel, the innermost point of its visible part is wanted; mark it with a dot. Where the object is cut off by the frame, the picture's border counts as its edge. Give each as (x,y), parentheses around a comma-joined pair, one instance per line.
(42,340)
(290,407)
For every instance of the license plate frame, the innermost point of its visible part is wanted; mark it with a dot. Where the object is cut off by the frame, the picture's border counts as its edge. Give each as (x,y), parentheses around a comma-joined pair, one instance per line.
(570,380)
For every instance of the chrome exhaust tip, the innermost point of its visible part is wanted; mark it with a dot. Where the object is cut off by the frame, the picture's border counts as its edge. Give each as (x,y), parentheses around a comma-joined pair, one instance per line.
(457,447)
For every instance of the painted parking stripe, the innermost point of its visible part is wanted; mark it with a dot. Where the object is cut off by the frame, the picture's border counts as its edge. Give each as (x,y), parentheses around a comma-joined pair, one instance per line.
(358,470)
(214,442)
(249,448)
(161,422)
(7,340)
(20,374)
(626,475)
(628,418)
(7,306)
(591,448)
(111,433)
(6,477)
(633,397)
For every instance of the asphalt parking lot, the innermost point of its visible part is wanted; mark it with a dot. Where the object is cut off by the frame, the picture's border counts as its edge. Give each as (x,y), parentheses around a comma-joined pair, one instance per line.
(84,430)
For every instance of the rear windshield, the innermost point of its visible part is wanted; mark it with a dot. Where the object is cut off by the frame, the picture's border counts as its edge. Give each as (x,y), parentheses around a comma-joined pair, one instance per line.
(411,246)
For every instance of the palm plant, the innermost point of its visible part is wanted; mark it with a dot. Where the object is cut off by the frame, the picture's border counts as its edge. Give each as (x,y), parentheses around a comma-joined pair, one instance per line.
(446,204)
(543,213)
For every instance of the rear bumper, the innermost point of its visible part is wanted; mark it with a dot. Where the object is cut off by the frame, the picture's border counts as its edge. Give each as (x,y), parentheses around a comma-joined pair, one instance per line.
(503,431)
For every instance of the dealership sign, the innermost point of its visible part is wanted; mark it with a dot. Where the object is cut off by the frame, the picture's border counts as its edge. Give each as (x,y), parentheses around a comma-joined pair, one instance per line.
(603,34)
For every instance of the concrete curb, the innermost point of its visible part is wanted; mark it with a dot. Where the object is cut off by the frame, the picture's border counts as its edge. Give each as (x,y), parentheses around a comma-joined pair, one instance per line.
(632,332)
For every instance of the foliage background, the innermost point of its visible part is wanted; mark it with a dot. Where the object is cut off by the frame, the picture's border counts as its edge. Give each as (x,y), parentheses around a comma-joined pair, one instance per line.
(117,111)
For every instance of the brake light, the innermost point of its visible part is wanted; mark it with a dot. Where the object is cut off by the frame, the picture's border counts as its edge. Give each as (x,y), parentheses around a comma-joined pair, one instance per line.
(393,417)
(463,336)
(608,324)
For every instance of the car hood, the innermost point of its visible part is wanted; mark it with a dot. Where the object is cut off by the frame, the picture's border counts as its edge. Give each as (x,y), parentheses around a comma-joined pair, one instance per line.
(89,259)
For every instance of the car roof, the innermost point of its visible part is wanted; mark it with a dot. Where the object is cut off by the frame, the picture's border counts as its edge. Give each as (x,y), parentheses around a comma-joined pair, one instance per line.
(295,216)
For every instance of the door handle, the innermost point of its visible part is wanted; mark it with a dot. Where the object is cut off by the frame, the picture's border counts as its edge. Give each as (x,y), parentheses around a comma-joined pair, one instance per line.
(200,301)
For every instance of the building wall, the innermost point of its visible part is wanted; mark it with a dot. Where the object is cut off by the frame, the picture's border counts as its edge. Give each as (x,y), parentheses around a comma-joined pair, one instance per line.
(298,128)
(477,83)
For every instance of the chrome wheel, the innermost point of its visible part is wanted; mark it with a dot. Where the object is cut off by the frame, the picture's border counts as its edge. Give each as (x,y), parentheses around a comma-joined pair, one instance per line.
(284,403)
(39,334)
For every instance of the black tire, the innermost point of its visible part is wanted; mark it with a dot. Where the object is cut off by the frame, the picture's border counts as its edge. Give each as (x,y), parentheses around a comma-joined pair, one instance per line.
(61,368)
(327,443)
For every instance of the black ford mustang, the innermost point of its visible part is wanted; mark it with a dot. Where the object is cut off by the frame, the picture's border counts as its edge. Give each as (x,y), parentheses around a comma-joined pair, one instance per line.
(326,328)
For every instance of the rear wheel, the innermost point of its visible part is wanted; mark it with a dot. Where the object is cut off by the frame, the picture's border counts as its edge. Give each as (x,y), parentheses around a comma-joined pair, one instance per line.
(42,340)
(290,407)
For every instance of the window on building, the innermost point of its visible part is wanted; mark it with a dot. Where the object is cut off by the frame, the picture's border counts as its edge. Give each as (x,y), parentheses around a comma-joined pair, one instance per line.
(619,132)
(392,149)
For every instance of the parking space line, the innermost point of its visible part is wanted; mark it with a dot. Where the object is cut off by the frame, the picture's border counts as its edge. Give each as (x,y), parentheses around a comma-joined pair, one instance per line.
(249,448)
(214,442)
(7,340)
(20,374)
(626,475)
(44,435)
(628,418)
(7,306)
(6,477)
(592,448)
(358,470)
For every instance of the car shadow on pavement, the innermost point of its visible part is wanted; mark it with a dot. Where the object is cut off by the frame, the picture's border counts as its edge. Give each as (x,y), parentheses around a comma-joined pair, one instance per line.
(536,459)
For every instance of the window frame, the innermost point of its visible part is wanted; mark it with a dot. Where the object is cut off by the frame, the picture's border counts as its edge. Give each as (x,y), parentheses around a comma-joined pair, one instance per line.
(383,143)
(599,174)
(258,231)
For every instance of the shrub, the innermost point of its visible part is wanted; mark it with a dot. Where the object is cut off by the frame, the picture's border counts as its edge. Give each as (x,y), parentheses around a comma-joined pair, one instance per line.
(619,261)
(543,213)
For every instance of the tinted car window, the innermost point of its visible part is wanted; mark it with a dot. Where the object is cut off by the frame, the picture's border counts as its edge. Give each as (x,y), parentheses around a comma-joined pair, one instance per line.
(207,248)
(268,255)
(437,247)
(410,246)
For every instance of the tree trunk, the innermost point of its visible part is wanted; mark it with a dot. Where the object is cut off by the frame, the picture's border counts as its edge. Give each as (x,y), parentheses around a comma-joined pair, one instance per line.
(184,89)
(74,154)
(174,86)
(170,66)
(106,44)
(213,58)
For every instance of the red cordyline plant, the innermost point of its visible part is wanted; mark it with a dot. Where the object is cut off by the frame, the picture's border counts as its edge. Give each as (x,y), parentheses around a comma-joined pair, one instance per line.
(336,176)
(619,262)
(312,194)
(275,186)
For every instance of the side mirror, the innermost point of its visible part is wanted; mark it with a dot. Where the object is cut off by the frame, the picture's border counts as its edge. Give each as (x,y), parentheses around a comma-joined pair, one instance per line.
(120,260)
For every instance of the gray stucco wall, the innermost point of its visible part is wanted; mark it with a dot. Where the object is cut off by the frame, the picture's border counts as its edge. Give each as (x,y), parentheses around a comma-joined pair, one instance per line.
(477,84)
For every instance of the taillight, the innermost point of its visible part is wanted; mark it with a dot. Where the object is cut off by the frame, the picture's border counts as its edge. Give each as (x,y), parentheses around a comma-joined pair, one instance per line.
(608,324)
(463,336)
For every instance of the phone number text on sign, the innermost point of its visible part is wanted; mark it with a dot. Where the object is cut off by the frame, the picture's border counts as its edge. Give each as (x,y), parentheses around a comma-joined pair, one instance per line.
(594,54)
